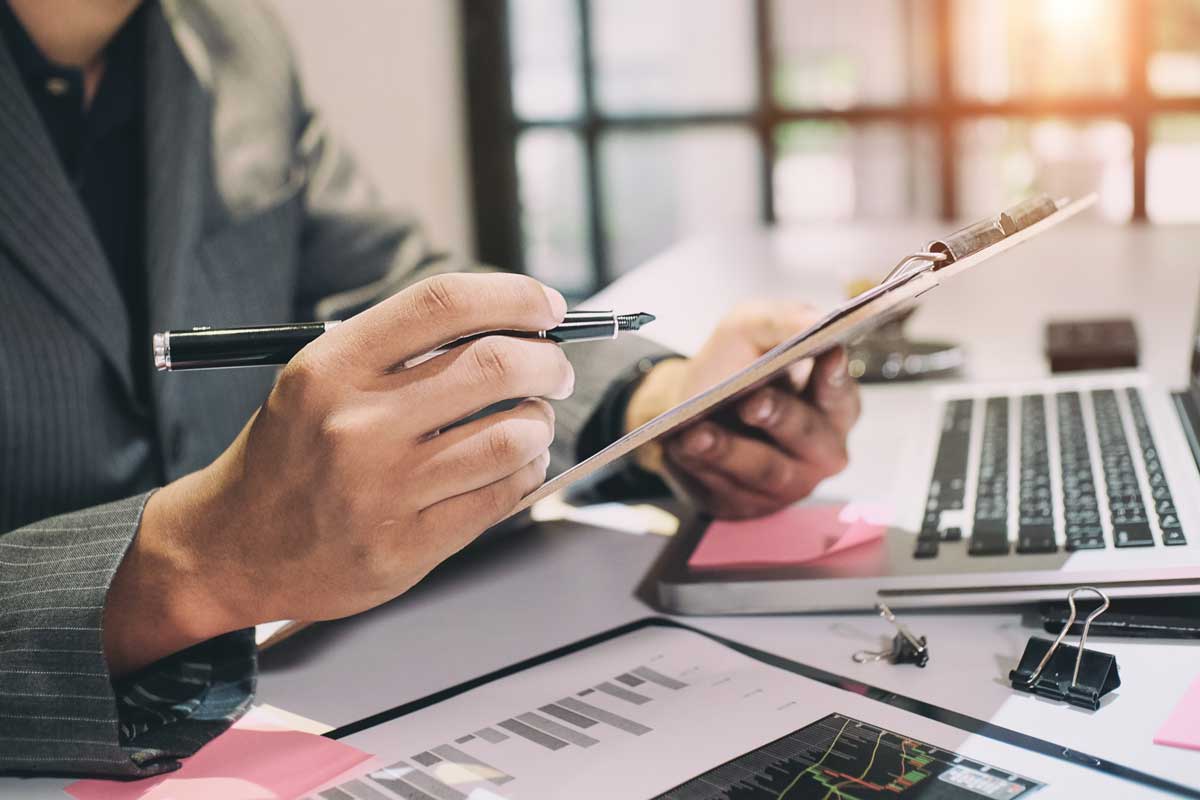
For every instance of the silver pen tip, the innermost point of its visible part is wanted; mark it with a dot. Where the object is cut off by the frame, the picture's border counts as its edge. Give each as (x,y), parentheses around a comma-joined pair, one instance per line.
(633,322)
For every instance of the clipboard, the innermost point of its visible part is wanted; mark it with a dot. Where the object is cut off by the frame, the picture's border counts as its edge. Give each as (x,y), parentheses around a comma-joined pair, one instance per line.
(910,279)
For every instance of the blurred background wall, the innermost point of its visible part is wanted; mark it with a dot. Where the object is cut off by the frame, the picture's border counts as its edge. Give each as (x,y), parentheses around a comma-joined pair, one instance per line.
(387,74)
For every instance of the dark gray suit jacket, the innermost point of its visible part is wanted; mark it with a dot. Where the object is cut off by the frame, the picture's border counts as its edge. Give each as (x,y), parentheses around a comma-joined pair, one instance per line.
(254,215)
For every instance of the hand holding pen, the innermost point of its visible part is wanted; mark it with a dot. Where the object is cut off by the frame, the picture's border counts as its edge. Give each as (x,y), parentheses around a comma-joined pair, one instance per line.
(353,480)
(265,345)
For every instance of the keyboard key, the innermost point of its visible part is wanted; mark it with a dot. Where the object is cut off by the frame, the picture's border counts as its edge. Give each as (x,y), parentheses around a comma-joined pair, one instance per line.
(1036,539)
(1135,535)
(1091,541)
(926,548)
(1173,536)
(988,541)
(952,535)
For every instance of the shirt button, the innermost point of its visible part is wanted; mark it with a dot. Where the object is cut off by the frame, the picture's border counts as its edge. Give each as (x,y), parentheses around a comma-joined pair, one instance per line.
(57,86)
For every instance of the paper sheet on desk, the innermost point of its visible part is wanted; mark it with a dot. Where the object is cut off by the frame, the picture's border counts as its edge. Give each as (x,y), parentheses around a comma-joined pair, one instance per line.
(797,535)
(262,756)
(656,708)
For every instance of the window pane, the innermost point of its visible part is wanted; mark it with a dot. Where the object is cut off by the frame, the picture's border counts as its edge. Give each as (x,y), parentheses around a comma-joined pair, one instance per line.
(1173,169)
(1174,68)
(832,171)
(673,55)
(660,187)
(852,52)
(554,209)
(1038,48)
(1003,161)
(544,40)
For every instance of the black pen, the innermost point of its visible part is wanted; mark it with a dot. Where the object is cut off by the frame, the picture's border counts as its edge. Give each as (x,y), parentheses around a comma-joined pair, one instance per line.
(266,345)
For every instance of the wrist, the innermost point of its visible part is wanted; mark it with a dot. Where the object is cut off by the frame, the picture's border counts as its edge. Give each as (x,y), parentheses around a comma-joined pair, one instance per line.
(167,595)
(187,521)
(658,391)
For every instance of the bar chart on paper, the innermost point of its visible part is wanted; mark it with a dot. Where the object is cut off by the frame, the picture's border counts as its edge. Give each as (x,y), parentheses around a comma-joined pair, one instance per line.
(657,713)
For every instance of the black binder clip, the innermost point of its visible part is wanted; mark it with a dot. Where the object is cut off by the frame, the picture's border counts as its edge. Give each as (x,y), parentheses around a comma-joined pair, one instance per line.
(906,648)
(1064,672)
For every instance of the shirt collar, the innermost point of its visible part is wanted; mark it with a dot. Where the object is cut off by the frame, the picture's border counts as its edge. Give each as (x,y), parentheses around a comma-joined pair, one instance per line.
(25,53)
(122,54)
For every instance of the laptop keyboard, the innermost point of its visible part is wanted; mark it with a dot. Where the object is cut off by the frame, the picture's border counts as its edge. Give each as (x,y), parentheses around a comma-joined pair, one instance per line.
(1127,509)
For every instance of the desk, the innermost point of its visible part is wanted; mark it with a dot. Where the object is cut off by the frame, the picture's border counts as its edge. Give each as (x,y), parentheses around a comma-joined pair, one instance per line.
(505,600)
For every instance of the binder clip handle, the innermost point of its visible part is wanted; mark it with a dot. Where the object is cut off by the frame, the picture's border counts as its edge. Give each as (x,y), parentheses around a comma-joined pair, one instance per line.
(1049,676)
(1087,625)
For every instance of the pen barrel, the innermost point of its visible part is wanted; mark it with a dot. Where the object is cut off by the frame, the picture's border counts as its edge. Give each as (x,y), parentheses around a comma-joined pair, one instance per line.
(202,348)
(585,328)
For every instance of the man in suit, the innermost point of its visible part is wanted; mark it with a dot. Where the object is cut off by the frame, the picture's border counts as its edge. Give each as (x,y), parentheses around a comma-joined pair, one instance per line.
(160,168)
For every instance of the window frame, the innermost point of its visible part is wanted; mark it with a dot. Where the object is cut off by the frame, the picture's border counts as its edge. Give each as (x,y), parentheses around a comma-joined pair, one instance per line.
(494,126)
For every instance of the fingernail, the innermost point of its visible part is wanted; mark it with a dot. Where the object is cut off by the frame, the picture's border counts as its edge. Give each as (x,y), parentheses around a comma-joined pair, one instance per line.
(837,373)
(762,410)
(566,387)
(557,303)
(699,442)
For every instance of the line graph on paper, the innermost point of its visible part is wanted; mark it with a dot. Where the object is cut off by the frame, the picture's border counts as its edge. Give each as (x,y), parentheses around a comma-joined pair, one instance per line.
(838,757)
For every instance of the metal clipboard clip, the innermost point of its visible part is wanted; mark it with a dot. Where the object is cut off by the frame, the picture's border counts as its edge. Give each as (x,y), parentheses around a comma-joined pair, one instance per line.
(976,236)
(1064,672)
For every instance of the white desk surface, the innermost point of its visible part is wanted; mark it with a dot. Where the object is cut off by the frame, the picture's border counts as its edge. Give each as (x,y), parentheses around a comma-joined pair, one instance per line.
(536,590)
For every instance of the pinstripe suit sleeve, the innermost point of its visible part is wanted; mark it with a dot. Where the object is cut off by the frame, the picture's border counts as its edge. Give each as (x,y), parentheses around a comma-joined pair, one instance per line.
(60,710)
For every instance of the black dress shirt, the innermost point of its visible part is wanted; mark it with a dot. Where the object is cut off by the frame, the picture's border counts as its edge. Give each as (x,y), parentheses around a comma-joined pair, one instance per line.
(100,148)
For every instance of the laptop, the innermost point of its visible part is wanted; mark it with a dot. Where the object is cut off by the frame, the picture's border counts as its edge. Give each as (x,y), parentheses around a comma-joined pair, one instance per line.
(1001,493)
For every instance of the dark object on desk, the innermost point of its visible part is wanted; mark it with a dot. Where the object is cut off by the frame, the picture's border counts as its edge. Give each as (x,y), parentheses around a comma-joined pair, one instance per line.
(1064,672)
(907,648)
(1143,618)
(1091,344)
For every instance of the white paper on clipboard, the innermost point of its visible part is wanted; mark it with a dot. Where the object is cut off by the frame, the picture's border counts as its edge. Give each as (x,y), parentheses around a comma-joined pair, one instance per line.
(843,325)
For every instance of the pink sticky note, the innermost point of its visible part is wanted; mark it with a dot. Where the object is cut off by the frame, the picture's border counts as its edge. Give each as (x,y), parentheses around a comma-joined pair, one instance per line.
(1182,728)
(797,535)
(259,758)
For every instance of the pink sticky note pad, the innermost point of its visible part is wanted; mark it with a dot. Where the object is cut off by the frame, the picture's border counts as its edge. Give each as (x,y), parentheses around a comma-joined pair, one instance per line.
(259,758)
(1182,728)
(797,535)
